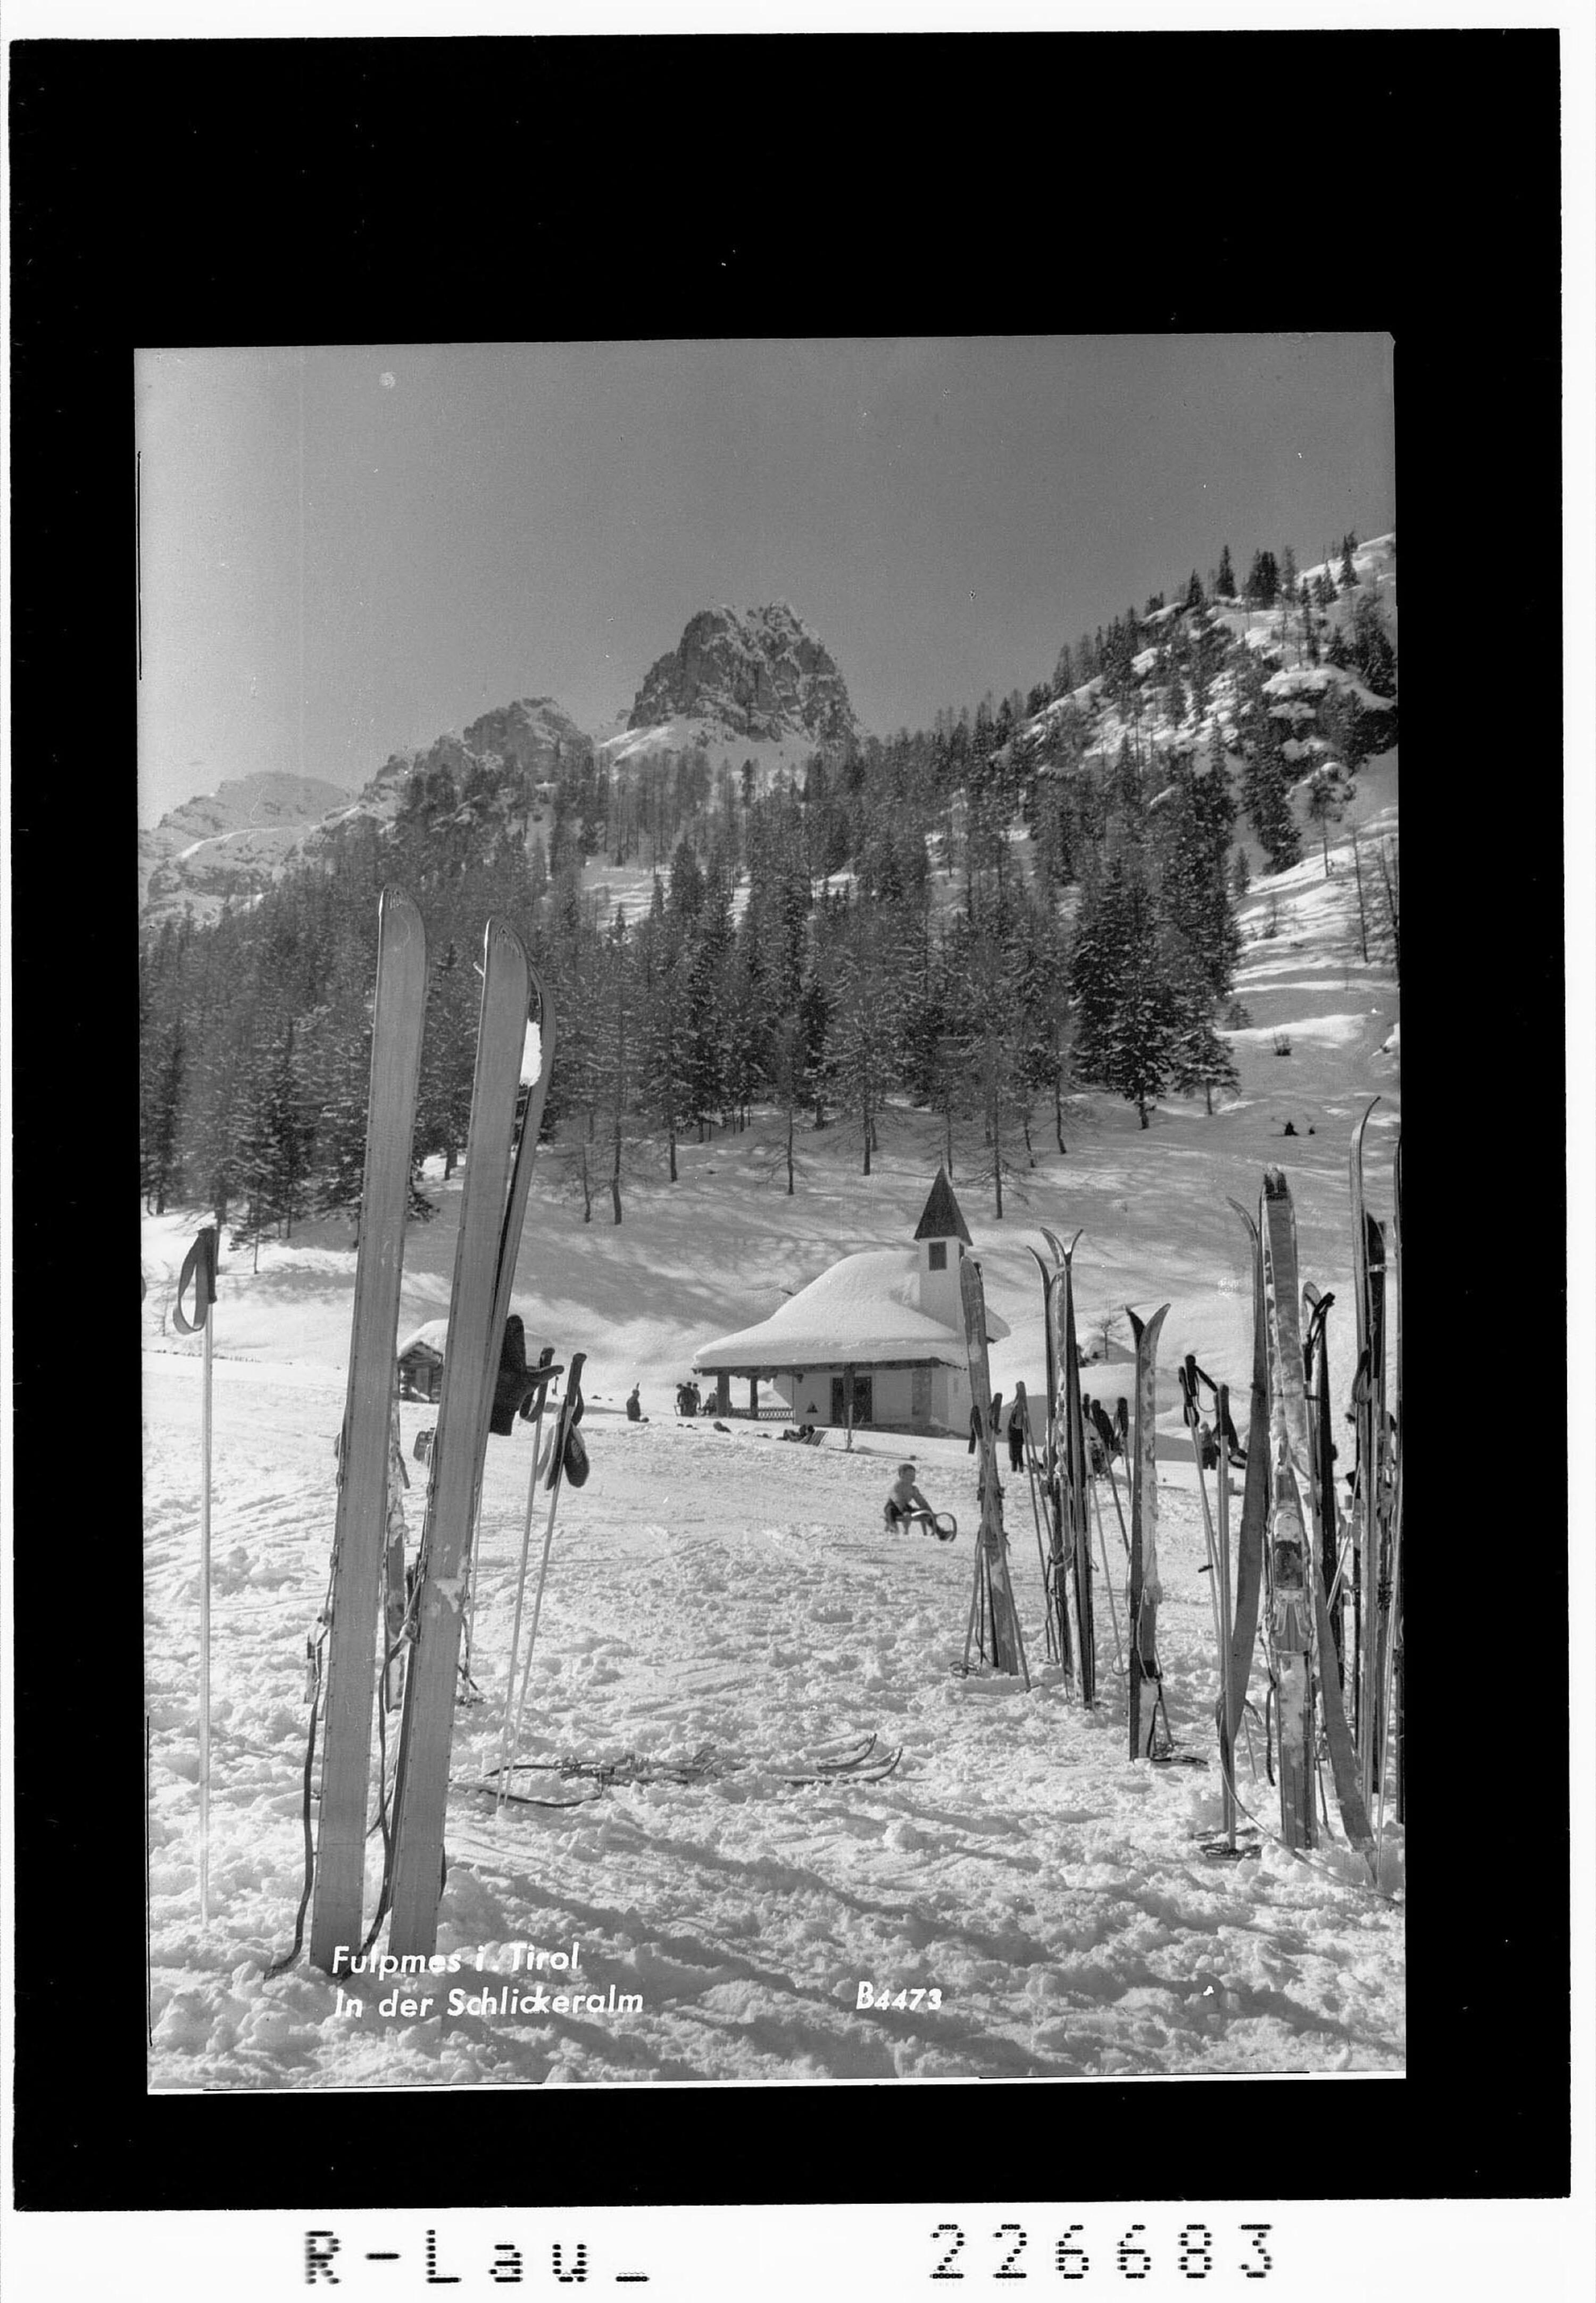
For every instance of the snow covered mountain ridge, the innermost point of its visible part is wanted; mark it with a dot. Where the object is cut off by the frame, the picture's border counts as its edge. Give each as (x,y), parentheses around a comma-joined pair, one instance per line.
(251,824)
(757,677)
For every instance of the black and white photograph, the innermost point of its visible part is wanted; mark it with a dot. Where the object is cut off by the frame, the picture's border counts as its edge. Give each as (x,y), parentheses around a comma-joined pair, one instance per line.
(771,1118)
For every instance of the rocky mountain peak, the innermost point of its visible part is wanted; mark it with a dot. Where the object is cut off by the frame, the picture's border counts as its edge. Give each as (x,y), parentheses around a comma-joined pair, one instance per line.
(752,672)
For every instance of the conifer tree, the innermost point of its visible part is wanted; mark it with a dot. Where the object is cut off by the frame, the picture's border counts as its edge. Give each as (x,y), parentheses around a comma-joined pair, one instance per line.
(340,1081)
(662,1059)
(448,1054)
(1200,1058)
(1263,579)
(1195,898)
(862,1026)
(1372,650)
(164,1058)
(814,1014)
(685,899)
(1326,803)
(706,1070)
(1224,583)
(276,1141)
(1266,793)
(1125,1004)
(612,994)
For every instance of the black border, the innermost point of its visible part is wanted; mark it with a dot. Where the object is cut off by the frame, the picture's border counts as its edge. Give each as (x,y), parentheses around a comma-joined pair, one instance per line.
(248,192)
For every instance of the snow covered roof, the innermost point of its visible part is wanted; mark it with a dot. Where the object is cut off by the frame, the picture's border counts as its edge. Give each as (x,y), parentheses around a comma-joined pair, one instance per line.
(433,1335)
(863,1311)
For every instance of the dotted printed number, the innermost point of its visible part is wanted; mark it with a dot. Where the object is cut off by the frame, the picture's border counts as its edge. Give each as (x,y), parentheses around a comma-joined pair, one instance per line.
(1074,2262)
(1135,2262)
(1195,2246)
(1013,2254)
(1260,2270)
(942,2271)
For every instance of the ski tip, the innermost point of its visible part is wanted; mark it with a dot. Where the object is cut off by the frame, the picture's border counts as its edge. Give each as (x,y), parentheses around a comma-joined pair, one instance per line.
(499,937)
(396,904)
(1359,1125)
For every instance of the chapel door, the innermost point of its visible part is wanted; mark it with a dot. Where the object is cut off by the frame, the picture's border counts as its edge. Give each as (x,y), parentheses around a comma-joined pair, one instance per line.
(863,1394)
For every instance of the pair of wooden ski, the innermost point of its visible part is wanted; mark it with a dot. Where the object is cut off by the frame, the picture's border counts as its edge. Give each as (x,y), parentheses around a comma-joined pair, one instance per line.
(500,1154)
(992,1601)
(1069,1469)
(1281,1503)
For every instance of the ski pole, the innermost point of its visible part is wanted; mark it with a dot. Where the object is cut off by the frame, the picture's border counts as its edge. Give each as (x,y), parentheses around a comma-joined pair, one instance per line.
(969,1629)
(563,1427)
(521,1594)
(1019,1642)
(204,1631)
(1052,1645)
(1120,1515)
(1107,1581)
(1190,1418)
(199,1265)
(1215,1586)
(1226,1626)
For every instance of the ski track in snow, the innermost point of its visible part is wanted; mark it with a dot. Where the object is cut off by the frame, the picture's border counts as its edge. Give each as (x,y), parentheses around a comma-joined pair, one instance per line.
(727,1590)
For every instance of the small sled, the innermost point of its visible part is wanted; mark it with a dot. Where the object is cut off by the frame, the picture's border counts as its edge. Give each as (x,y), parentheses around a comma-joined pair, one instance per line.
(942,1524)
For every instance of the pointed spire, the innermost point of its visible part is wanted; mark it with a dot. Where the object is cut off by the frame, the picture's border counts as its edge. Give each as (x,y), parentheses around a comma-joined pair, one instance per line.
(942,1218)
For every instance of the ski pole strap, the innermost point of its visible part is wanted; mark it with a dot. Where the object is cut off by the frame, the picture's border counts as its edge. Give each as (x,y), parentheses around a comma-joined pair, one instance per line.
(1188,1374)
(199,1265)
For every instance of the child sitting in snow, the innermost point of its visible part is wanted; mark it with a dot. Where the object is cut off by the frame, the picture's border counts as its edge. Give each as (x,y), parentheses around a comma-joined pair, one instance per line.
(905,1499)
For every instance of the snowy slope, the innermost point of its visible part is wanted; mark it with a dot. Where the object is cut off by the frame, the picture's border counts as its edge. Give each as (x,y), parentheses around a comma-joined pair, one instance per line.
(725,1589)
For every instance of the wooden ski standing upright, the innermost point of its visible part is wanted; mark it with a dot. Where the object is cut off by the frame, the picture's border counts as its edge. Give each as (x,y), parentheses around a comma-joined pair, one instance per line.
(1255,1505)
(1060,1648)
(476,1332)
(1145,1591)
(1291,1599)
(1316,1371)
(1398,1570)
(1074,1467)
(992,1599)
(1373,1586)
(1300,1621)
(366,1438)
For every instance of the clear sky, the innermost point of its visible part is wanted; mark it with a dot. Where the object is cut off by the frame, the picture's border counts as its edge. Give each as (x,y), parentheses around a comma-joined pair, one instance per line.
(345,550)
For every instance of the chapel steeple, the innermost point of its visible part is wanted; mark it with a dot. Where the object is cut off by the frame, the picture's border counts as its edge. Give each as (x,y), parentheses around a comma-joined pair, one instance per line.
(940,1228)
(942,1218)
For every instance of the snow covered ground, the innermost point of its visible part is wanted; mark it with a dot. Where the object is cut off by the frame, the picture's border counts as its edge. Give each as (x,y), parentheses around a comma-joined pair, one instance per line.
(727,1595)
